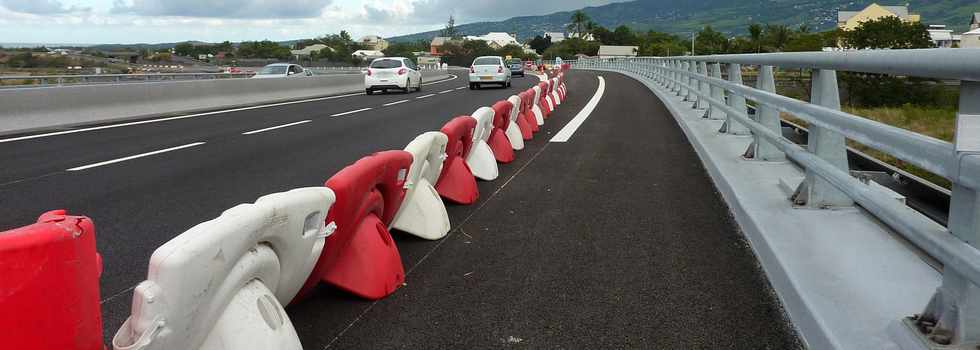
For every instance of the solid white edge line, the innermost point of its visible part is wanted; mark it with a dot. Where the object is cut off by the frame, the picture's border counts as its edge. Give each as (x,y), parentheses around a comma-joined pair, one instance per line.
(424,96)
(351,112)
(141,155)
(276,127)
(148,121)
(566,132)
(394,103)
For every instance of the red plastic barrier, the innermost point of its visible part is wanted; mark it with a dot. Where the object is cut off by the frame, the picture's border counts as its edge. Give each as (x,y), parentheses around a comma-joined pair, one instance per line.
(360,256)
(543,99)
(456,182)
(502,149)
(527,127)
(529,110)
(49,285)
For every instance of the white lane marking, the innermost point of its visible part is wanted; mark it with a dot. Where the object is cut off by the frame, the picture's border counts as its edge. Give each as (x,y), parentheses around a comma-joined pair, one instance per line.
(351,112)
(447,91)
(566,132)
(276,127)
(148,121)
(424,96)
(460,88)
(394,103)
(141,155)
(454,76)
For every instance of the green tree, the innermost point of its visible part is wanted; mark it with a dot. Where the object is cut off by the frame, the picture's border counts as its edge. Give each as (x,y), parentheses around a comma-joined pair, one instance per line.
(777,36)
(888,33)
(710,42)
(755,36)
(540,43)
(450,30)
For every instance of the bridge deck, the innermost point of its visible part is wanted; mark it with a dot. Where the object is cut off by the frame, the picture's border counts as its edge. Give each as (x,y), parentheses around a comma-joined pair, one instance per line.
(616,239)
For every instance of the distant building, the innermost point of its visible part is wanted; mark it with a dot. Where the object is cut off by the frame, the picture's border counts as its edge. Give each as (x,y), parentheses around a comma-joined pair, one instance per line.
(971,39)
(555,36)
(940,36)
(496,40)
(435,47)
(586,36)
(374,42)
(975,21)
(367,55)
(608,51)
(309,50)
(849,20)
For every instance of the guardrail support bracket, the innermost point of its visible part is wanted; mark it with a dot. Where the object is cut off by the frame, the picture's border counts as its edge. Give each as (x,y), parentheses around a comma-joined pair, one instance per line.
(815,192)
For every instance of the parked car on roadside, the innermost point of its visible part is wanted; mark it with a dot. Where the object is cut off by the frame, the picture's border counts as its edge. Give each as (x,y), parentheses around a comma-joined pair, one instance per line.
(489,70)
(389,73)
(516,67)
(282,70)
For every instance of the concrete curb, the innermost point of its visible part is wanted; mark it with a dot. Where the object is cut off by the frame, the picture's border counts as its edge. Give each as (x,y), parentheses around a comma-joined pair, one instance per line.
(842,276)
(35,109)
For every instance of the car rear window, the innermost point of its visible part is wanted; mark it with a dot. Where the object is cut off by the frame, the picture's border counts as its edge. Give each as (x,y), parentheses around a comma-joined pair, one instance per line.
(515,61)
(382,64)
(486,61)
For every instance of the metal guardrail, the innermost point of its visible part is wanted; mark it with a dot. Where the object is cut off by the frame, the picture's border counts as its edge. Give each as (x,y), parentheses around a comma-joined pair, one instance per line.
(57,80)
(952,317)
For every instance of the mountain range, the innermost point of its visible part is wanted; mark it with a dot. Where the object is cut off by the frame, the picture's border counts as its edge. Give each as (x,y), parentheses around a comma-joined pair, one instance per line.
(728,16)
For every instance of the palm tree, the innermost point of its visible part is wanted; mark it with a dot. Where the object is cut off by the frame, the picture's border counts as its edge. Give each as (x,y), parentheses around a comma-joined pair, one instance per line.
(579,22)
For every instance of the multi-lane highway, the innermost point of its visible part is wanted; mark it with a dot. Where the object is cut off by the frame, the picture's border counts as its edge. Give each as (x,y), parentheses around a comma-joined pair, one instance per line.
(595,242)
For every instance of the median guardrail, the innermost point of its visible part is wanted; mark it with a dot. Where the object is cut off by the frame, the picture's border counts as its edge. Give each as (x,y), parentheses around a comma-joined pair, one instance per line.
(950,318)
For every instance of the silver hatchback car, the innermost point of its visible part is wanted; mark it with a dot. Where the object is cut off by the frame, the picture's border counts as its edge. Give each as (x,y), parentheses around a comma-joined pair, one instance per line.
(489,70)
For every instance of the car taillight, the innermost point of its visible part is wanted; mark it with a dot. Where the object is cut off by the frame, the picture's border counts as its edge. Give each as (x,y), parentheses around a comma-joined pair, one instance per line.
(500,69)
(402,71)
(472,69)
(369,72)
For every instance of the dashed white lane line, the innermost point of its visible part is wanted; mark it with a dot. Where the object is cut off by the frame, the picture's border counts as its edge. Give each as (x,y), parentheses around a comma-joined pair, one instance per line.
(276,127)
(65,132)
(141,155)
(351,112)
(447,91)
(394,103)
(460,88)
(424,96)
(566,132)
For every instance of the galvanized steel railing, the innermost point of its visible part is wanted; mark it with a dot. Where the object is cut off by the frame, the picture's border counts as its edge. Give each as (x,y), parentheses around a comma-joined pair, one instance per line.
(953,315)
(59,80)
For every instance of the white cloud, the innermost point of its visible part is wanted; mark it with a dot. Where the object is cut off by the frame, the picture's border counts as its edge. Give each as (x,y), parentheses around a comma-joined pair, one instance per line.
(40,7)
(224,8)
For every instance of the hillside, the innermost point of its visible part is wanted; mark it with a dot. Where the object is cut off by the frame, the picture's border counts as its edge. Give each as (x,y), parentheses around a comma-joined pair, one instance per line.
(729,16)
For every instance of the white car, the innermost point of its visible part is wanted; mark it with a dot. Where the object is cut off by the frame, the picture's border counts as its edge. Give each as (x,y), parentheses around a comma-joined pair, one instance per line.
(282,70)
(489,70)
(389,73)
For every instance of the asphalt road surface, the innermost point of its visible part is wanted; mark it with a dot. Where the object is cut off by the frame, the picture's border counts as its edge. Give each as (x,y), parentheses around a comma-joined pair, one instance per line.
(615,239)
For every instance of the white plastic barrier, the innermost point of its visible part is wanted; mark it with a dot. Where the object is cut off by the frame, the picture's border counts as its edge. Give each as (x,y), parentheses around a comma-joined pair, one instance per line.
(480,159)
(222,283)
(547,96)
(554,92)
(538,115)
(513,132)
(422,212)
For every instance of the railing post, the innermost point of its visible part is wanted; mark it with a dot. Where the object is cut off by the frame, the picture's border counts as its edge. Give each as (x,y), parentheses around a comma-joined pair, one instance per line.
(952,317)
(736,101)
(761,149)
(692,93)
(682,92)
(815,192)
(717,94)
(703,87)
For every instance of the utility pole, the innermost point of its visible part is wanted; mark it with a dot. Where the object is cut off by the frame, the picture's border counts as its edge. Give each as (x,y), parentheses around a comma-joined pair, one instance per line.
(693,35)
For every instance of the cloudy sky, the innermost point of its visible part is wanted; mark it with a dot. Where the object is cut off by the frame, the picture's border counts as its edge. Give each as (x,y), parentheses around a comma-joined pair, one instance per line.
(151,21)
